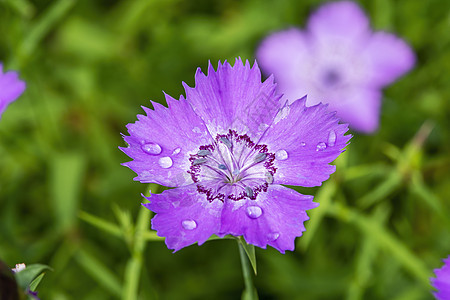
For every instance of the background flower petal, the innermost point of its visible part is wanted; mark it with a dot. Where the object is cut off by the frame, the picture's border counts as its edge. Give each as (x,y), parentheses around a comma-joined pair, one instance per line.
(275,218)
(11,87)
(360,108)
(388,57)
(286,54)
(338,19)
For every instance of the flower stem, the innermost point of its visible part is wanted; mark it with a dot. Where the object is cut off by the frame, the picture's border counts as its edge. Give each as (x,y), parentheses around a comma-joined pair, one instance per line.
(250,291)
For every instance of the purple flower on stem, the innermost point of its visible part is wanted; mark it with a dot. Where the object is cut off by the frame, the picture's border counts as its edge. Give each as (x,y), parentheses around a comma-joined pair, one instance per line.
(442,281)
(337,60)
(11,87)
(227,148)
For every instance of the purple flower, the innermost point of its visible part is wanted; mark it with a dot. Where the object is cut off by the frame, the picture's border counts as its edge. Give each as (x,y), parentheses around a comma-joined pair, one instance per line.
(337,60)
(10,88)
(442,281)
(227,148)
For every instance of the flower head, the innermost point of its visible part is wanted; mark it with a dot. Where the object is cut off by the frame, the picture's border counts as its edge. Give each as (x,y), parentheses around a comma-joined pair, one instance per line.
(10,88)
(19,267)
(442,281)
(227,148)
(337,60)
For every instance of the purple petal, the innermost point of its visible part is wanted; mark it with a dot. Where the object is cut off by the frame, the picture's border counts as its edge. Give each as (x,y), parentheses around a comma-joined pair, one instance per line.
(360,108)
(388,57)
(286,55)
(160,143)
(343,19)
(233,98)
(305,141)
(275,218)
(184,216)
(10,88)
(442,281)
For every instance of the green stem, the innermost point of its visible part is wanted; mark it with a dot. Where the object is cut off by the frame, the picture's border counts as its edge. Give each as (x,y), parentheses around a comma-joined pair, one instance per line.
(250,291)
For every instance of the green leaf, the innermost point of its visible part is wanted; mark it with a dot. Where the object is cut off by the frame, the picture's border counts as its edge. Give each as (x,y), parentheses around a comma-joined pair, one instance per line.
(250,251)
(371,228)
(44,25)
(249,295)
(99,272)
(31,272)
(66,173)
(316,215)
(101,223)
(151,236)
(384,189)
(36,281)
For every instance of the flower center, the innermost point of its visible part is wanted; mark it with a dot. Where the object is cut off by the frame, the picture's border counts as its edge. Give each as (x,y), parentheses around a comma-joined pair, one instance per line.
(331,78)
(232,167)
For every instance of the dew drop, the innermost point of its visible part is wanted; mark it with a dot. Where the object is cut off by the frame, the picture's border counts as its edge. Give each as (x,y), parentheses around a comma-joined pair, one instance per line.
(189,224)
(273,236)
(176,151)
(331,138)
(165,162)
(254,212)
(321,146)
(303,144)
(281,154)
(151,148)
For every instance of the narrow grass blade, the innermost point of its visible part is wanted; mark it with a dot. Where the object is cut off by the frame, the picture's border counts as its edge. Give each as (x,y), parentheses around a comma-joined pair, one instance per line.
(99,272)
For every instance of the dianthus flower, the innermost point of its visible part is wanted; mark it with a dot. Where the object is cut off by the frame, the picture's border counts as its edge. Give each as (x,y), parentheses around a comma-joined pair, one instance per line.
(10,88)
(227,148)
(338,60)
(442,281)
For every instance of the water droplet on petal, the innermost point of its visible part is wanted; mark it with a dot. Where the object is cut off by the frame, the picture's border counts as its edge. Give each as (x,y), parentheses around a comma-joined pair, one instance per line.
(254,212)
(151,148)
(176,151)
(165,162)
(321,146)
(331,138)
(303,144)
(203,153)
(189,224)
(196,130)
(248,192)
(273,236)
(281,154)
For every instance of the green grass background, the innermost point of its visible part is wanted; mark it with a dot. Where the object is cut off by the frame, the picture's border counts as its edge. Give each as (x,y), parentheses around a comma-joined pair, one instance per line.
(383,224)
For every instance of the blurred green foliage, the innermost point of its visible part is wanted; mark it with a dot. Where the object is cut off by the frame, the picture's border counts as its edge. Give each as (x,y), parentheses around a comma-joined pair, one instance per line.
(65,201)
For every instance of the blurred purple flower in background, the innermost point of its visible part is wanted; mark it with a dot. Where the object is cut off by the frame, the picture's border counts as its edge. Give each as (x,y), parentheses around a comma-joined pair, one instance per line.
(337,60)
(227,148)
(442,281)
(11,87)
